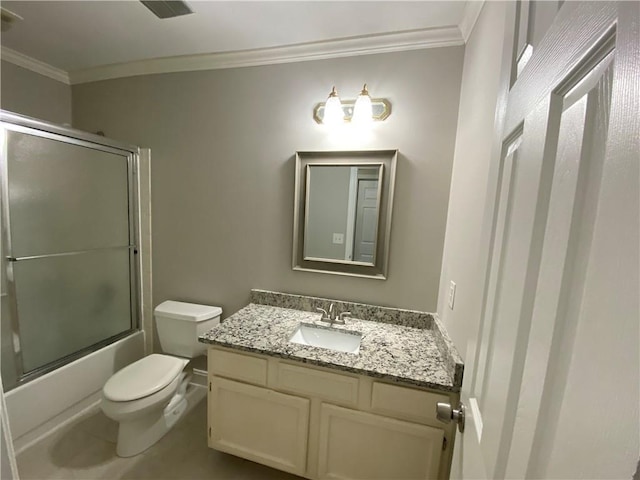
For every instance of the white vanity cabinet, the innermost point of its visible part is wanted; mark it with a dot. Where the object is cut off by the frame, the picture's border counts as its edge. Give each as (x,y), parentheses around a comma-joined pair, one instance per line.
(259,424)
(321,423)
(357,444)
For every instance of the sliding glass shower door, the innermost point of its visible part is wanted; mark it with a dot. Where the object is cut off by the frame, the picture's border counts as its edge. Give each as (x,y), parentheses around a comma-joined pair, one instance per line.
(69,250)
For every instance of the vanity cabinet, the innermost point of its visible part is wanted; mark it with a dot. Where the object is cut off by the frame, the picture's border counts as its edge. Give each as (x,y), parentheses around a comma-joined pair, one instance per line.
(321,423)
(356,444)
(259,424)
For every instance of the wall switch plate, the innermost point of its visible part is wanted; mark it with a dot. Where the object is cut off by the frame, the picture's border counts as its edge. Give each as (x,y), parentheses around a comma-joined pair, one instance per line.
(338,238)
(452,294)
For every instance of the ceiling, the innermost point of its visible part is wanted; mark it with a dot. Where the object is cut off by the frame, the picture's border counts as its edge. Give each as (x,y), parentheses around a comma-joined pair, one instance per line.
(76,36)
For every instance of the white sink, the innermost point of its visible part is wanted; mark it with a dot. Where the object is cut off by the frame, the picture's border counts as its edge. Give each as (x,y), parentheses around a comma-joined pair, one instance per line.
(329,338)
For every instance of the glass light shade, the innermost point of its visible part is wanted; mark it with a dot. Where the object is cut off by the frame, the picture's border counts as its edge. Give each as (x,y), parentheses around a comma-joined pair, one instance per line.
(363,110)
(333,113)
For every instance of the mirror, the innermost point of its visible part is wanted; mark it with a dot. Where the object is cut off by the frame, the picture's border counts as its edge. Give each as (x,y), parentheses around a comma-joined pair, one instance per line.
(342,214)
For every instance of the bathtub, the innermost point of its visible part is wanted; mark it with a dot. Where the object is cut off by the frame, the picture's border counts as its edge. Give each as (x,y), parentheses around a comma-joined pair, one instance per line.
(48,402)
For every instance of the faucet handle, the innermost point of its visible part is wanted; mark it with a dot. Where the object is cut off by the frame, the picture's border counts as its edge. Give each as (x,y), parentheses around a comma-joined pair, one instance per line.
(343,315)
(325,315)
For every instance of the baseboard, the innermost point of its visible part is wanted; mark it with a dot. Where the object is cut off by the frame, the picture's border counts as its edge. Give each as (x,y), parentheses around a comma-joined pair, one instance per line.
(199,377)
(195,395)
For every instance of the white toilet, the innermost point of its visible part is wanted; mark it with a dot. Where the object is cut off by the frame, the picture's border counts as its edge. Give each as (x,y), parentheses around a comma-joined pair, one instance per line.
(148,397)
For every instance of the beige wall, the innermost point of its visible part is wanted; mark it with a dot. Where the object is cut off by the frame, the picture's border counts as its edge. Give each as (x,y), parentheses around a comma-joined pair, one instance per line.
(475,141)
(477,145)
(472,162)
(34,95)
(223,145)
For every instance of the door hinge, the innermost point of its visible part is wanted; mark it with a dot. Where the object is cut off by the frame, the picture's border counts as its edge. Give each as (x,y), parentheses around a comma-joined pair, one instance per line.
(444,441)
(209,431)
(209,386)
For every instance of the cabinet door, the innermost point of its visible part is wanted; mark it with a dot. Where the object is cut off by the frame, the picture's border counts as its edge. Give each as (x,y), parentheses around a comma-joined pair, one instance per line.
(357,445)
(259,424)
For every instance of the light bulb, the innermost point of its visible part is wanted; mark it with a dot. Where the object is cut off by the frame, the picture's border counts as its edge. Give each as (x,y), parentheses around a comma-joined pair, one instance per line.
(333,113)
(363,110)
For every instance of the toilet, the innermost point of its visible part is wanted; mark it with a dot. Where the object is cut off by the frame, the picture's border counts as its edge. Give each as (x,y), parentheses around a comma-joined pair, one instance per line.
(149,396)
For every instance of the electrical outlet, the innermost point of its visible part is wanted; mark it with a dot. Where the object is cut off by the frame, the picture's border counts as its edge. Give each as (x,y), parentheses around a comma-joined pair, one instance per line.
(338,238)
(452,294)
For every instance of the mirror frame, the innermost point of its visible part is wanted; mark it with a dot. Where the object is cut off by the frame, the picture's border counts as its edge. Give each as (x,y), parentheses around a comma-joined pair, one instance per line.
(388,158)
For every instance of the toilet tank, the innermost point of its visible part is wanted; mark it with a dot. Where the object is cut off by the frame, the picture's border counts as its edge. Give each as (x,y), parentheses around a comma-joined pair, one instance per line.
(179,324)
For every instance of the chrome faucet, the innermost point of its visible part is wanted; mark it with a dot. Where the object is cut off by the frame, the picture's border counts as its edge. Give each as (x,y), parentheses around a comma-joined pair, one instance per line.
(332,316)
(325,316)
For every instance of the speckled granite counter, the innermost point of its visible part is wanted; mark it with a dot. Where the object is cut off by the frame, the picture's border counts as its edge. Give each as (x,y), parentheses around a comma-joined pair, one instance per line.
(415,356)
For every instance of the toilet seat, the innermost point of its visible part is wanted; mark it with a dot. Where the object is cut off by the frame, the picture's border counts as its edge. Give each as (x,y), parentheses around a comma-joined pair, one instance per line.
(143,378)
(126,410)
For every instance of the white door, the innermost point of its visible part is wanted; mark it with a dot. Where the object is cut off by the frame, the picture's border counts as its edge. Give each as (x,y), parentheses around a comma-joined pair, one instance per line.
(366,221)
(554,382)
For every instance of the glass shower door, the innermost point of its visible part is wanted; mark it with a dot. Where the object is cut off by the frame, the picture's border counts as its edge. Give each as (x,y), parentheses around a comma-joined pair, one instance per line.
(71,270)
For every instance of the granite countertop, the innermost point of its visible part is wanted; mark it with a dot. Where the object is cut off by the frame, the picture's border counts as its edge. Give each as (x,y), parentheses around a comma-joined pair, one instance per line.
(406,355)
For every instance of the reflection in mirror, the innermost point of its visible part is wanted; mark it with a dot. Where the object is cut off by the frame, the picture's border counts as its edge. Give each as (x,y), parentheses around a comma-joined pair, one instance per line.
(341,213)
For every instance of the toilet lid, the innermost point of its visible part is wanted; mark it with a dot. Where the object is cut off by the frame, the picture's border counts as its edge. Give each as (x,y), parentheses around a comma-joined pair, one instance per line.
(143,378)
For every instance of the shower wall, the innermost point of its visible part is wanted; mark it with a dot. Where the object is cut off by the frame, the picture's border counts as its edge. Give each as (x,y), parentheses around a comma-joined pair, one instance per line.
(29,93)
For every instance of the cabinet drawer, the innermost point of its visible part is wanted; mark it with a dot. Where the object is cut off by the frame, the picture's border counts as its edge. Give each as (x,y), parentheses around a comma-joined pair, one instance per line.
(405,402)
(238,366)
(332,387)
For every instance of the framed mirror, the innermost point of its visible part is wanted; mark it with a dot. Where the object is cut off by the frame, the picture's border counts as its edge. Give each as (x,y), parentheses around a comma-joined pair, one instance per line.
(342,212)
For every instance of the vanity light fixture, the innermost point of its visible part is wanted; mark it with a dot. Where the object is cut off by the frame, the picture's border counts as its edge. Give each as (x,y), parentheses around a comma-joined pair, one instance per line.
(333,113)
(362,111)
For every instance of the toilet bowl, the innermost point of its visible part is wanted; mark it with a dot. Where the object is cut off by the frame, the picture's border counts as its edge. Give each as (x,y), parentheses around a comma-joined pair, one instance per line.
(149,396)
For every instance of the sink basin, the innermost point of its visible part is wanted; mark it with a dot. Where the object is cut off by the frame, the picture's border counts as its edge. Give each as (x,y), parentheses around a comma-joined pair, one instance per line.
(329,338)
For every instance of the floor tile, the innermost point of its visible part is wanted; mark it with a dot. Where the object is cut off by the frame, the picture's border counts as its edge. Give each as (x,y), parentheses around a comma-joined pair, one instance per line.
(85,450)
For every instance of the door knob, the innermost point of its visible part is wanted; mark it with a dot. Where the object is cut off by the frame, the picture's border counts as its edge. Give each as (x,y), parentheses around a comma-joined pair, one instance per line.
(446,413)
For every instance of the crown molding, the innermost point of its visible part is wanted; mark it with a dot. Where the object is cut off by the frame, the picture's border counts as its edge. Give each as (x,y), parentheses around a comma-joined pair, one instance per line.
(34,65)
(469,17)
(365,45)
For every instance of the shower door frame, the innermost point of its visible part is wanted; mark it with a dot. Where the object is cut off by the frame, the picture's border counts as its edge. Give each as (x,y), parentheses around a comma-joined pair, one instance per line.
(18,123)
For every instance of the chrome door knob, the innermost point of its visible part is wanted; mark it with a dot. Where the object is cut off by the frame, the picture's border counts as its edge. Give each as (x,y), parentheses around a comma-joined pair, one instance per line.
(446,413)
